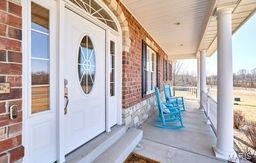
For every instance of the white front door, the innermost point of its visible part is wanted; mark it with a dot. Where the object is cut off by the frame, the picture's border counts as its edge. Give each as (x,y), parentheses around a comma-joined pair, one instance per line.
(84,75)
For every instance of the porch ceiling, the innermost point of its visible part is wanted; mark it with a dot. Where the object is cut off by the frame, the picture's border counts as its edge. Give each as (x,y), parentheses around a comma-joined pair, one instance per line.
(183,27)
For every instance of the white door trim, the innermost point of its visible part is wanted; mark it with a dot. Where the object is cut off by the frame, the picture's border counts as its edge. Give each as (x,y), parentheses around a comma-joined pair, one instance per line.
(25,50)
(61,127)
(26,63)
(60,7)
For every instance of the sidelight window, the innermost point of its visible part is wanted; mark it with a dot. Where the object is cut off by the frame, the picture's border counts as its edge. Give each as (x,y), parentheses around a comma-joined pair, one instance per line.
(112,74)
(40,59)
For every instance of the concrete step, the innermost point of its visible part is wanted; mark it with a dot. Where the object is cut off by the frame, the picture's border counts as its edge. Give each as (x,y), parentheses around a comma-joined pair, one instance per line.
(119,151)
(94,148)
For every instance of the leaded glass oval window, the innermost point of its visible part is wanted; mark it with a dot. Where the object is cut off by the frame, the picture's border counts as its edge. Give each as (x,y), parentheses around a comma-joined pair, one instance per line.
(86,64)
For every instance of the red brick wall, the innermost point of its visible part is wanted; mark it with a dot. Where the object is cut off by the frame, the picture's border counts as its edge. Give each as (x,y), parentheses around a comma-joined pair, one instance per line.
(132,68)
(10,71)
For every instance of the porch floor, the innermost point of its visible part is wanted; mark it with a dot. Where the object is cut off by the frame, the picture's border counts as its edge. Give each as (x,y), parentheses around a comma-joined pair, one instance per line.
(193,143)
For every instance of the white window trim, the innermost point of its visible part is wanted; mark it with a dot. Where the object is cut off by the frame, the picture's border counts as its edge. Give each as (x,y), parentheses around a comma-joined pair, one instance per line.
(150,53)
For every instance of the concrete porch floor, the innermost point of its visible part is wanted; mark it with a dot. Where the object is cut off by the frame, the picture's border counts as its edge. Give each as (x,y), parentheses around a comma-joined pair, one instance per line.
(193,143)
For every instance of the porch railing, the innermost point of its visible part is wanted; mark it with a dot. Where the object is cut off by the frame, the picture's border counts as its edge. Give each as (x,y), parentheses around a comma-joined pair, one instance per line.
(187,92)
(210,109)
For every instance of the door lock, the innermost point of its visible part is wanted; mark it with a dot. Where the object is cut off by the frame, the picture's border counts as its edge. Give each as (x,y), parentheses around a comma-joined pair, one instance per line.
(13,112)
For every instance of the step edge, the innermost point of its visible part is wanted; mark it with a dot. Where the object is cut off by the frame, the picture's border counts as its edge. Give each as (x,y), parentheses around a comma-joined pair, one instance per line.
(127,150)
(98,150)
(94,153)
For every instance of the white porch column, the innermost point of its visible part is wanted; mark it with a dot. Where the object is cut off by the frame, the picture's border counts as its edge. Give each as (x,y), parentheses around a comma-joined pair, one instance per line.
(224,148)
(202,76)
(198,78)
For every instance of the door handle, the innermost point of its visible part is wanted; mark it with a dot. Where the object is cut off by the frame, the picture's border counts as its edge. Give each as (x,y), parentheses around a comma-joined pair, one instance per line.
(66,105)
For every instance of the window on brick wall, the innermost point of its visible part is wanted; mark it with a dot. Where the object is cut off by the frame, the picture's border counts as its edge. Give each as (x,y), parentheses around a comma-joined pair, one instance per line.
(163,70)
(166,70)
(170,71)
(149,69)
(40,58)
(158,71)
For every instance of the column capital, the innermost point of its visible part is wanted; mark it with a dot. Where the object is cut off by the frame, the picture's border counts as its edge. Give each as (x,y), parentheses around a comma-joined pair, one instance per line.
(223,10)
(203,51)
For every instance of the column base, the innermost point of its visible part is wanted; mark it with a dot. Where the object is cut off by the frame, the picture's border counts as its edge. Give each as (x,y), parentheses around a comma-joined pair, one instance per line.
(230,156)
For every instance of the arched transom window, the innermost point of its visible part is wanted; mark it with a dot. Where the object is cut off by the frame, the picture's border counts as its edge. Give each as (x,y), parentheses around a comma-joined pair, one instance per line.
(94,9)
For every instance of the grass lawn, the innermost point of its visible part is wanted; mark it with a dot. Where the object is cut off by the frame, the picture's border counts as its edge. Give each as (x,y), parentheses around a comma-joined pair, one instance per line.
(247,104)
(247,96)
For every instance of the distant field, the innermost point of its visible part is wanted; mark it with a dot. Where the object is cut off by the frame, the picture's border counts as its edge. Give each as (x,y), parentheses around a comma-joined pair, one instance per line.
(248,101)
(247,96)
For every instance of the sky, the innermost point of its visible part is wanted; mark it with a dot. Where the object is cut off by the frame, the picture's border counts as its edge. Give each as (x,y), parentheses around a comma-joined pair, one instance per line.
(243,47)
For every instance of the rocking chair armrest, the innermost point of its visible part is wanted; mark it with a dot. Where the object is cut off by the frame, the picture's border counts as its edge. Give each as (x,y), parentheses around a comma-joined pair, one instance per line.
(179,97)
(172,99)
(171,106)
(167,109)
(176,97)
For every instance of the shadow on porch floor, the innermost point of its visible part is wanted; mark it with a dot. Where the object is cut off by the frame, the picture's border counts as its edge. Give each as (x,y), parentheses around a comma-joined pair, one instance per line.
(190,144)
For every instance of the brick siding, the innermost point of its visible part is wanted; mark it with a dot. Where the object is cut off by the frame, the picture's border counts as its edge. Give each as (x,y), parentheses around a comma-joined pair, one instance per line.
(132,60)
(11,149)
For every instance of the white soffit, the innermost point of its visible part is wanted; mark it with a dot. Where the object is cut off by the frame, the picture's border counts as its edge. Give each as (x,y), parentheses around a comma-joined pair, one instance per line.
(161,19)
(242,11)
(198,26)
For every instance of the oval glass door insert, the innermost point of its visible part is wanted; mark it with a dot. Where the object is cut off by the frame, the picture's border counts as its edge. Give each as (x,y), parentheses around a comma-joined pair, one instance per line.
(86,64)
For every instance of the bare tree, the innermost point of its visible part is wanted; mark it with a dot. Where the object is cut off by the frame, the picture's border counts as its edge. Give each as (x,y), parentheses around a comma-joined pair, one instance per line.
(253,71)
(253,77)
(242,73)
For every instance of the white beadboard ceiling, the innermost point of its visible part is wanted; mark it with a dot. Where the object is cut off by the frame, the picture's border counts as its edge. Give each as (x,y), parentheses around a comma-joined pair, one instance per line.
(198,25)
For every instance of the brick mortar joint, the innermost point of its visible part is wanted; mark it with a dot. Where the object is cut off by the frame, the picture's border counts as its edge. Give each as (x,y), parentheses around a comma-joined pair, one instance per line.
(7,62)
(17,2)
(15,135)
(16,123)
(9,13)
(7,152)
(11,100)
(13,39)
(9,75)
(7,110)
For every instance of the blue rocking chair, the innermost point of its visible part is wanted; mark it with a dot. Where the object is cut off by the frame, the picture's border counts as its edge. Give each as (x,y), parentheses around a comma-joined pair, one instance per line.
(172,100)
(169,116)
